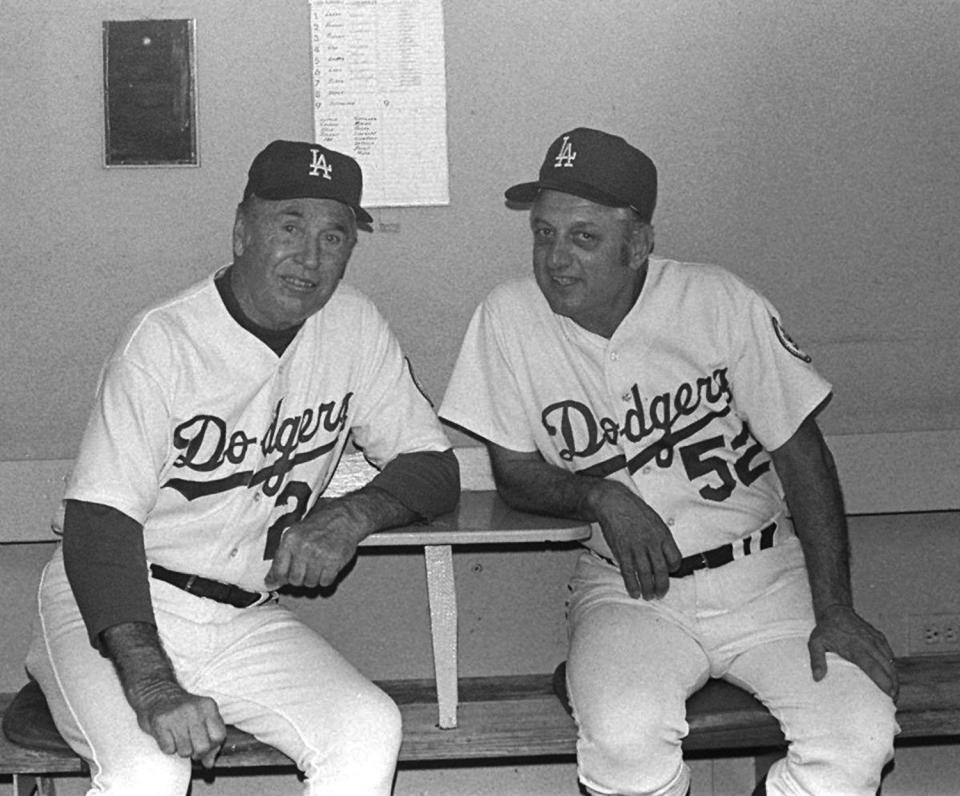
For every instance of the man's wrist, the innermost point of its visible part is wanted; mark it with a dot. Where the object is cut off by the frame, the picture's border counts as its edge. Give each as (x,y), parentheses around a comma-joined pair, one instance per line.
(831,608)
(590,498)
(370,509)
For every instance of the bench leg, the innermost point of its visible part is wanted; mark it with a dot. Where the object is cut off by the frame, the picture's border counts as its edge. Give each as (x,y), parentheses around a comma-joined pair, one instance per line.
(442,596)
(30,784)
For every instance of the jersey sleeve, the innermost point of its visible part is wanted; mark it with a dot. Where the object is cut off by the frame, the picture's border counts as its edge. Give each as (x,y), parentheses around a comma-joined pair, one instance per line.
(124,444)
(484,395)
(392,414)
(775,386)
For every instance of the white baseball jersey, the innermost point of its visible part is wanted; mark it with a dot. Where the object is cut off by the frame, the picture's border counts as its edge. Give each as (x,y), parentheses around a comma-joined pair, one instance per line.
(682,403)
(212,442)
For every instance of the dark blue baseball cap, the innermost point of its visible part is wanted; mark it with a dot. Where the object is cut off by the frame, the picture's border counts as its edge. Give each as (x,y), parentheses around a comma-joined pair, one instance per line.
(301,170)
(597,166)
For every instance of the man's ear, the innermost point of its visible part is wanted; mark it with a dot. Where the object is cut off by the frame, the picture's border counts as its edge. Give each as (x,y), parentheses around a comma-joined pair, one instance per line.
(641,244)
(239,233)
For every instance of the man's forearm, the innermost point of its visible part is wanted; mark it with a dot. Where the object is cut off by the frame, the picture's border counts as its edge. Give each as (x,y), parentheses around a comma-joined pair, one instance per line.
(823,535)
(140,661)
(380,508)
(812,487)
(368,509)
(535,485)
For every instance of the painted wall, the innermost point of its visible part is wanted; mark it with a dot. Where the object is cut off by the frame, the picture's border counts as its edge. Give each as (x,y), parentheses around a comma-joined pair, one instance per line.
(810,147)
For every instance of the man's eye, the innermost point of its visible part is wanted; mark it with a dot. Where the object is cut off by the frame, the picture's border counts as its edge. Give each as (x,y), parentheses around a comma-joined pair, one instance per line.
(336,240)
(586,236)
(290,229)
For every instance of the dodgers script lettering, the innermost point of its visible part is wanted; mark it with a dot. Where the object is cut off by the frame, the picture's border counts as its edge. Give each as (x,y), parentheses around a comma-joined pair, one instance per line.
(583,434)
(207,444)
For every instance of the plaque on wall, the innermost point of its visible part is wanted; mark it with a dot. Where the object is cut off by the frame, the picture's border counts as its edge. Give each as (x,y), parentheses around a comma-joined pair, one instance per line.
(150,93)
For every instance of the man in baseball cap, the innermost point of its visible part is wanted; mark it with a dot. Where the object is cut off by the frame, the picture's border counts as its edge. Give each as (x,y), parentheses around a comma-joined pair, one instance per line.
(201,488)
(664,403)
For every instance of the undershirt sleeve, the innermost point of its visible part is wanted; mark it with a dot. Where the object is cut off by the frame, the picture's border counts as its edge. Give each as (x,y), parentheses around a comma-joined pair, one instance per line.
(103,554)
(426,482)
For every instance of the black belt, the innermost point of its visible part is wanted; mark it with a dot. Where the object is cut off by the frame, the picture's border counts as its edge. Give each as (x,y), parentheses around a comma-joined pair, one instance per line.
(718,556)
(211,589)
(711,559)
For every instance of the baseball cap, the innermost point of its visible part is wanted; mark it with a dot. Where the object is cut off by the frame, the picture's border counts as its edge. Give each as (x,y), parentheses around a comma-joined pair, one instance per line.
(298,169)
(597,166)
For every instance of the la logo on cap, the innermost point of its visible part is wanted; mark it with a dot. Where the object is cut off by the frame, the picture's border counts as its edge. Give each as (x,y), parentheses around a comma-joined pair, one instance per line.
(320,164)
(566,155)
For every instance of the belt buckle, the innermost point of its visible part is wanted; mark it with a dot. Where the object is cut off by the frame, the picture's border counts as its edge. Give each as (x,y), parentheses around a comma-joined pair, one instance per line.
(265,597)
(704,561)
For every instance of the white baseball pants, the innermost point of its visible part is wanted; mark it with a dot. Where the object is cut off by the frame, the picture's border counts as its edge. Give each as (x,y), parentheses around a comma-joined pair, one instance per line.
(269,673)
(633,663)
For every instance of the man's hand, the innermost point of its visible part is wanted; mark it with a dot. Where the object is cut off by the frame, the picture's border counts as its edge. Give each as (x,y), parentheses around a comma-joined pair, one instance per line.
(842,631)
(312,552)
(812,487)
(182,723)
(638,538)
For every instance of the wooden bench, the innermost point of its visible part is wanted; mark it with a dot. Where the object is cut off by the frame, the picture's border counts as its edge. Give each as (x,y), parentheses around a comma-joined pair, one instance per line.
(521,717)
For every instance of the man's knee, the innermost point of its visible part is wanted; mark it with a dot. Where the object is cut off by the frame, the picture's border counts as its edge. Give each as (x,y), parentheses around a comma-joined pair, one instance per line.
(365,757)
(149,775)
(842,756)
(866,731)
(631,752)
(369,737)
(381,725)
(858,753)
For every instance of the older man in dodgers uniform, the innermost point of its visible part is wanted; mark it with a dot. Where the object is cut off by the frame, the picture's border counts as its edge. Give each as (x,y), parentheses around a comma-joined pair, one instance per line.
(199,488)
(665,403)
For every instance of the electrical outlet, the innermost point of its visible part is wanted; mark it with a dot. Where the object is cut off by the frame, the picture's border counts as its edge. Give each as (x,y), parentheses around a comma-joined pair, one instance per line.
(934,634)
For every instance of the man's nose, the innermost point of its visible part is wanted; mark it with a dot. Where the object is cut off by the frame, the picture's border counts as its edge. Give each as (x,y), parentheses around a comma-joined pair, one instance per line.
(310,254)
(560,255)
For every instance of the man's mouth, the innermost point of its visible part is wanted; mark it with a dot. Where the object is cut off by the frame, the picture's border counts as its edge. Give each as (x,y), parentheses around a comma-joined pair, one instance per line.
(297,283)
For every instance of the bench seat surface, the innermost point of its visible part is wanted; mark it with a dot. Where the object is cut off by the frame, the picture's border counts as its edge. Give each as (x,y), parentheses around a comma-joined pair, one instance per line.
(520,716)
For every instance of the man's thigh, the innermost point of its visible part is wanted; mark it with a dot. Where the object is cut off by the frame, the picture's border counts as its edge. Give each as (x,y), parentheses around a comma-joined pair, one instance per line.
(281,681)
(629,657)
(631,666)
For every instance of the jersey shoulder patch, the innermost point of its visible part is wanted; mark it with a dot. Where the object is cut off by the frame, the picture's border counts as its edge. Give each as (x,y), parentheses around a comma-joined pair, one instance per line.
(787,342)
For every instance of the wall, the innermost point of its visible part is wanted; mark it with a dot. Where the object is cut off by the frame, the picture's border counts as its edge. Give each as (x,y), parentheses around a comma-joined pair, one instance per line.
(810,147)
(804,145)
